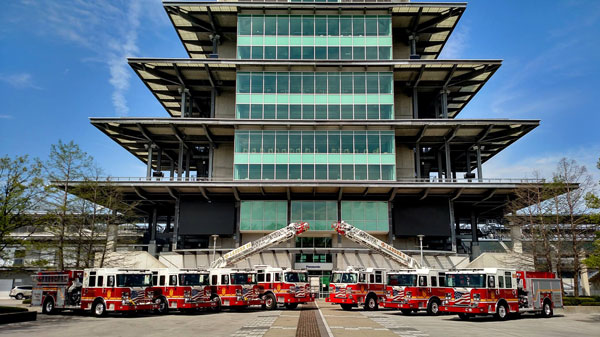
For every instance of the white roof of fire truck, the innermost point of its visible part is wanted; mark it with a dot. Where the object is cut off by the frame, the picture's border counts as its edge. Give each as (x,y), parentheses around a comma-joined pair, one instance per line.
(419,271)
(232,270)
(118,270)
(480,271)
(163,271)
(358,269)
(268,268)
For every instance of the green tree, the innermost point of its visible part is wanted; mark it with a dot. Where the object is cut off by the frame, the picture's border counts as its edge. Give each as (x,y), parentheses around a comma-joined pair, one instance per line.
(21,193)
(593,201)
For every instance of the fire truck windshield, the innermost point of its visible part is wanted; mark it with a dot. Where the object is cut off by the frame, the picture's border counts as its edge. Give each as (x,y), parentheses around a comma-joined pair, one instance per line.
(344,278)
(403,280)
(296,277)
(193,279)
(465,280)
(133,280)
(243,278)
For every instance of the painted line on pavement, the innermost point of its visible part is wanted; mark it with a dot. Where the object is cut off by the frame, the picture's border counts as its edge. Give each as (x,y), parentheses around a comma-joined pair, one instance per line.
(324,321)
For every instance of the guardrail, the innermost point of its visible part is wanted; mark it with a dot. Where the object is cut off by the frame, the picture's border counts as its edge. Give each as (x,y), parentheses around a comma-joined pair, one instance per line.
(399,180)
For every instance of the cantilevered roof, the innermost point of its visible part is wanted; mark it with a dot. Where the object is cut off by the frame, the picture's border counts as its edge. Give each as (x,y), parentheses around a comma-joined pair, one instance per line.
(134,134)
(165,77)
(196,21)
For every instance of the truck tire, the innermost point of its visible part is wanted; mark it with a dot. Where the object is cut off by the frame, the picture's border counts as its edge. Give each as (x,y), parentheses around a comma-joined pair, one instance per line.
(291,306)
(163,306)
(48,307)
(433,307)
(346,307)
(547,310)
(502,312)
(463,316)
(406,312)
(371,303)
(99,308)
(270,302)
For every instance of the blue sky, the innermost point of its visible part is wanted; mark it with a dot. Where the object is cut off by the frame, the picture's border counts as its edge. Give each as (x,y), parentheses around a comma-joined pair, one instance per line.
(62,62)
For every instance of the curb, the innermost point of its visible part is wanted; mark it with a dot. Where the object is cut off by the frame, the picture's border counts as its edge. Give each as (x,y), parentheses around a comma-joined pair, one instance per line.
(14,317)
(581,309)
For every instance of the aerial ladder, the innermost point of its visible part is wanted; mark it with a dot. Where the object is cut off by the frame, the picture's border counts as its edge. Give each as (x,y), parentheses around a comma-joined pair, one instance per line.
(259,245)
(363,238)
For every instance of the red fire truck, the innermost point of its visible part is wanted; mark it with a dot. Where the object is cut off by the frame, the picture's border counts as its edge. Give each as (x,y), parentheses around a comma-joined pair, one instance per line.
(354,287)
(283,286)
(235,287)
(181,289)
(500,292)
(100,290)
(411,290)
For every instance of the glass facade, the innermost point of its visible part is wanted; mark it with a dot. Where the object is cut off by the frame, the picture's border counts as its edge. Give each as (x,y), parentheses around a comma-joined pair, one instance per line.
(263,215)
(366,215)
(314,37)
(310,95)
(314,155)
(319,214)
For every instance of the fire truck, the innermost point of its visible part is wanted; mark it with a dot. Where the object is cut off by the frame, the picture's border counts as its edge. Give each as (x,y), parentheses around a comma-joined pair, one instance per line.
(411,290)
(99,290)
(354,287)
(501,292)
(284,286)
(239,287)
(181,289)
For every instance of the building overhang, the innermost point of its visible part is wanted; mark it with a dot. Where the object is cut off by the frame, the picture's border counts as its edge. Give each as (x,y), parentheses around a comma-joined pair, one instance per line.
(195,22)
(165,78)
(491,136)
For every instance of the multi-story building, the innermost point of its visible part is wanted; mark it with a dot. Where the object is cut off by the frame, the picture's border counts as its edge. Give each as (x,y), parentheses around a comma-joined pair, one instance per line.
(320,112)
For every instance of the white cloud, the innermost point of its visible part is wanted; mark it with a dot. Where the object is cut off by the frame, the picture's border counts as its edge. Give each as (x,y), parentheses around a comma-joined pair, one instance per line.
(6,117)
(457,43)
(19,80)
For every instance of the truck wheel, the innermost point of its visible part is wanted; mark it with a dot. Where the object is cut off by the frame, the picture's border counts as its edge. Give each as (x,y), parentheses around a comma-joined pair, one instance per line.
(547,309)
(463,316)
(501,312)
(406,311)
(346,307)
(291,306)
(99,309)
(48,307)
(433,308)
(216,308)
(163,306)
(19,296)
(270,302)
(371,303)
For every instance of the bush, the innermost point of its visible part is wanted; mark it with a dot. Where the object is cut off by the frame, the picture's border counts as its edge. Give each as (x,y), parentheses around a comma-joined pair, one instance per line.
(587,301)
(27,301)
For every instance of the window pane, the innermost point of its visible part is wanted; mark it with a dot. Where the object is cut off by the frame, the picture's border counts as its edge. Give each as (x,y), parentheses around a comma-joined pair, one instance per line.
(283,23)
(244,24)
(320,26)
(320,111)
(347,112)
(360,111)
(295,83)
(333,83)
(269,83)
(308,142)
(270,52)
(282,142)
(346,83)
(308,53)
(283,53)
(372,111)
(346,53)
(321,53)
(374,172)
(360,172)
(294,172)
(387,172)
(308,171)
(295,142)
(295,53)
(255,142)
(383,24)
(346,26)
(269,111)
(347,172)
(243,111)
(385,53)
(243,83)
(257,83)
(358,25)
(347,142)
(257,53)
(244,52)
(321,83)
(334,172)
(333,26)
(308,111)
(270,25)
(373,141)
(360,142)
(371,53)
(256,111)
(241,142)
(385,83)
(308,26)
(359,53)
(386,111)
(281,171)
(333,112)
(282,112)
(359,83)
(333,53)
(371,26)
(320,142)
(387,143)
(258,25)
(308,83)
(283,80)
(373,83)
(295,111)
(334,142)
(268,144)
(241,171)
(254,171)
(295,25)
(268,172)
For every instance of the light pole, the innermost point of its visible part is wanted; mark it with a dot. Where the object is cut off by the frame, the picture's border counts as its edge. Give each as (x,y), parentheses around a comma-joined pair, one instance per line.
(215,237)
(421,236)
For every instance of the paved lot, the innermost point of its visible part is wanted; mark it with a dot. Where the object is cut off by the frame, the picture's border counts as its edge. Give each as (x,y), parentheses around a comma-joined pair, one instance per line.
(331,321)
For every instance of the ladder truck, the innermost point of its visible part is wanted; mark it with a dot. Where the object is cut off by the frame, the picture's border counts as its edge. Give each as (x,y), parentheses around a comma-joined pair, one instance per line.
(181,289)
(284,286)
(239,287)
(356,287)
(411,290)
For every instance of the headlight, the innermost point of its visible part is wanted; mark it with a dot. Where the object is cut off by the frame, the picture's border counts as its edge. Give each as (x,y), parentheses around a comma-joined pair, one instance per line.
(448,296)
(125,296)
(238,292)
(409,294)
(476,297)
(389,293)
(207,292)
(187,294)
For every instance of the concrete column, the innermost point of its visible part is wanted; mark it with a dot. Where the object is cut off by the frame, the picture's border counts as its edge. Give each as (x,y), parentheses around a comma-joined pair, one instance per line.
(452,225)
(168,224)
(475,250)
(448,161)
(444,101)
(584,278)
(515,235)
(180,161)
(418,160)
(159,160)
(213,102)
(154,225)
(415,101)
(211,153)
(440,167)
(183,101)
(188,156)
(113,235)
(412,39)
(479,169)
(171,170)
(149,164)
(176,224)
(468,157)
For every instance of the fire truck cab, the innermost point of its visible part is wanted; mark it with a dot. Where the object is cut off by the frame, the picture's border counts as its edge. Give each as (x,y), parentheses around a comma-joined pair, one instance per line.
(354,287)
(283,286)
(411,290)
(500,292)
(235,287)
(181,289)
(99,289)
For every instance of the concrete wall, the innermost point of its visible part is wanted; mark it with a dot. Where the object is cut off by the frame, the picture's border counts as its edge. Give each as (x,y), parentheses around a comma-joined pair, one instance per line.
(228,48)
(225,107)
(402,105)
(405,161)
(223,161)
(401,50)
